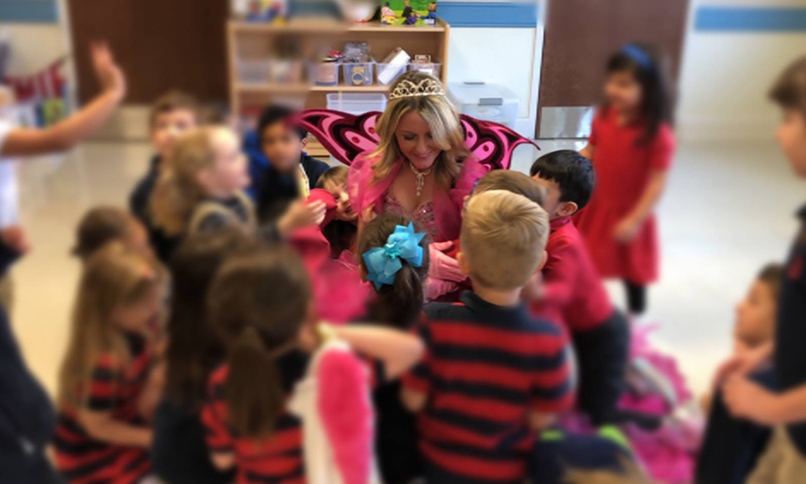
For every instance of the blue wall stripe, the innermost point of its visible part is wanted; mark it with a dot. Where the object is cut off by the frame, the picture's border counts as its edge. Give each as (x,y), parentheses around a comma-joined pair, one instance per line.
(40,11)
(489,14)
(750,19)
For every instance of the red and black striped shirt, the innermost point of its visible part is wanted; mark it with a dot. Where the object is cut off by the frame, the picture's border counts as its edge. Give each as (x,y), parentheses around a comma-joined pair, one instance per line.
(115,387)
(276,459)
(485,370)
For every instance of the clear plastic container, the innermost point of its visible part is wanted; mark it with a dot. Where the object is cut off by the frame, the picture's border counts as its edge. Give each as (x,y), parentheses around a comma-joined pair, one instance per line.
(324,73)
(253,71)
(386,74)
(432,68)
(356,103)
(491,102)
(286,71)
(358,74)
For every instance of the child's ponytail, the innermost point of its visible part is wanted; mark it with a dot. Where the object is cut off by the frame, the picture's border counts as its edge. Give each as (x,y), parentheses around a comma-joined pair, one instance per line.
(259,303)
(400,299)
(253,390)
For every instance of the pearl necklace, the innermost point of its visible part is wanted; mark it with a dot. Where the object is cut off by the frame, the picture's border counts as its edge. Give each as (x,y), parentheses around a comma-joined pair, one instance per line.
(420,175)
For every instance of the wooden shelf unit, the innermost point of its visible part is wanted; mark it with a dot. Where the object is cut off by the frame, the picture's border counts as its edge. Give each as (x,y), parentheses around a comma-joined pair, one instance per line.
(256,41)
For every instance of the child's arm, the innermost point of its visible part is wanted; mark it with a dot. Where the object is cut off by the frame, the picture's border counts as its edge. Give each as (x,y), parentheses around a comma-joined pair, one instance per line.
(539,421)
(398,350)
(65,134)
(101,426)
(750,400)
(223,461)
(587,151)
(152,391)
(744,363)
(413,400)
(627,228)
(559,275)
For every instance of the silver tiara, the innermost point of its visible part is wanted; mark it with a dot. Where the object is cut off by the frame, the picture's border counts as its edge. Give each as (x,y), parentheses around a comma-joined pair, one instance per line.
(426,87)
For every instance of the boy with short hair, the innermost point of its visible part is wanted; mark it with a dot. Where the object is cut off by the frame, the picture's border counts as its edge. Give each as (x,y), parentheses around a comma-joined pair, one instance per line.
(731,446)
(785,457)
(172,115)
(573,292)
(291,173)
(492,374)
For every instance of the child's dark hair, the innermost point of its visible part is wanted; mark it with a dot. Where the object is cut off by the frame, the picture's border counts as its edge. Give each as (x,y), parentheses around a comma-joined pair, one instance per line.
(511,181)
(789,91)
(98,227)
(276,113)
(401,303)
(194,345)
(571,171)
(772,274)
(173,101)
(259,302)
(336,174)
(646,67)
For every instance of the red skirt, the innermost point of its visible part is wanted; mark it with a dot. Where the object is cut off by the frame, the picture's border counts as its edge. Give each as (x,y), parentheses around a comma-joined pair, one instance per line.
(636,261)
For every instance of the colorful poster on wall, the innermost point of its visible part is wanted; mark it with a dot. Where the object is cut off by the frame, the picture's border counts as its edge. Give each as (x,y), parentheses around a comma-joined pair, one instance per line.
(409,12)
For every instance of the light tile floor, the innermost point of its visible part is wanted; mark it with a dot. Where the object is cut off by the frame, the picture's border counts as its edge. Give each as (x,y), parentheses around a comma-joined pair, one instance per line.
(729,208)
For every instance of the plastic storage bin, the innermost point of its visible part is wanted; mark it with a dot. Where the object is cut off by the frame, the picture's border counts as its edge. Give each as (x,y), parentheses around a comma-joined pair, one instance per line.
(431,68)
(356,103)
(284,71)
(358,74)
(325,73)
(253,71)
(491,102)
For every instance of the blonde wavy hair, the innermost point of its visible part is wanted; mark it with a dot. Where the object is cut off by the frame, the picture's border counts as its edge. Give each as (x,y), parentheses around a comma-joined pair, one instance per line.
(178,191)
(446,131)
(113,277)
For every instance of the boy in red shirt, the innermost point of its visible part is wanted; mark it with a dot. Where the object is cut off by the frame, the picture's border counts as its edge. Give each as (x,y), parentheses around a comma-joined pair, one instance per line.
(573,293)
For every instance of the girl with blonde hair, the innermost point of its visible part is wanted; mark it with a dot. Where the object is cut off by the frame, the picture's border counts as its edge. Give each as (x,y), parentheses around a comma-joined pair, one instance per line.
(202,189)
(101,433)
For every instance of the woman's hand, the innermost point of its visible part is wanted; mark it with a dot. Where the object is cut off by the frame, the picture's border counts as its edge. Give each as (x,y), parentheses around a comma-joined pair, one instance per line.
(109,74)
(442,266)
(626,230)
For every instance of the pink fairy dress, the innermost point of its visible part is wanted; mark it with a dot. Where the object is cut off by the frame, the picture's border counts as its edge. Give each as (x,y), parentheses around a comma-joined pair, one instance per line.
(441,217)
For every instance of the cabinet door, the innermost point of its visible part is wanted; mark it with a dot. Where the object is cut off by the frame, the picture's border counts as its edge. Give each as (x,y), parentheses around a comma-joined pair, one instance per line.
(580,36)
(161,44)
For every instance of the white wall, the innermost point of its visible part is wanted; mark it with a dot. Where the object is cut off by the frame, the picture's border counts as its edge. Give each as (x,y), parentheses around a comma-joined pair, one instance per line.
(506,56)
(726,75)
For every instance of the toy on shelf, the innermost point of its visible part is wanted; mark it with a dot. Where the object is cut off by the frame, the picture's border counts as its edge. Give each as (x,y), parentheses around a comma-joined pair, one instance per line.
(260,10)
(388,15)
(409,12)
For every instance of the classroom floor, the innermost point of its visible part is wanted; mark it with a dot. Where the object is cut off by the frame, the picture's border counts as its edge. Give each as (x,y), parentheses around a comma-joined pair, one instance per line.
(729,209)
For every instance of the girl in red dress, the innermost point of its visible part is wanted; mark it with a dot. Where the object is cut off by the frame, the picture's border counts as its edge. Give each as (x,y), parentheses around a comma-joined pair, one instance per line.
(631,145)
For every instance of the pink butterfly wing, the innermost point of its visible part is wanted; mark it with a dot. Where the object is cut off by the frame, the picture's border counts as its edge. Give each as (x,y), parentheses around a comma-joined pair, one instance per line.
(343,135)
(491,143)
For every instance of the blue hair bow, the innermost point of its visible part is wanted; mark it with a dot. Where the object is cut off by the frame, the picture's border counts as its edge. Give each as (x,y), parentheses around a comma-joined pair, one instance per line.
(383,263)
(639,55)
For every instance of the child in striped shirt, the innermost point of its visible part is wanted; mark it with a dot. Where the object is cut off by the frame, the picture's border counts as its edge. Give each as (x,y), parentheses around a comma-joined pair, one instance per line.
(492,375)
